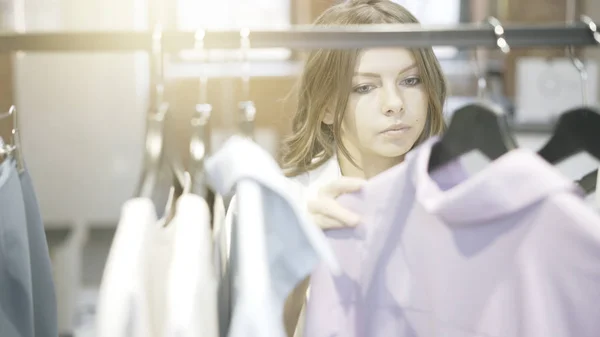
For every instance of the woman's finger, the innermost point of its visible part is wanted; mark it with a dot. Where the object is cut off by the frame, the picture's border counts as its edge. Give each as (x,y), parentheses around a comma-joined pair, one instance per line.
(332,209)
(324,222)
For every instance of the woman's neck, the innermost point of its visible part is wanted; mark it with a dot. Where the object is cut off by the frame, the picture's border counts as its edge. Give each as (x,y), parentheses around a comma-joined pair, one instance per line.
(368,165)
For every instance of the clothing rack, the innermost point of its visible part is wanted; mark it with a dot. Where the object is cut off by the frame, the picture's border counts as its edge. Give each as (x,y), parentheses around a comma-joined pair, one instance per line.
(576,34)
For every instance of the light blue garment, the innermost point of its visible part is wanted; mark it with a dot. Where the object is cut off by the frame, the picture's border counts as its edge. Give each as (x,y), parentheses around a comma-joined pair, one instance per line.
(44,295)
(16,299)
(277,244)
(27,293)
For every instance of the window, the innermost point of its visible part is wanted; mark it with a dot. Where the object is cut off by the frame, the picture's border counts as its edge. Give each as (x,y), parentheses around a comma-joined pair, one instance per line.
(436,12)
(235,14)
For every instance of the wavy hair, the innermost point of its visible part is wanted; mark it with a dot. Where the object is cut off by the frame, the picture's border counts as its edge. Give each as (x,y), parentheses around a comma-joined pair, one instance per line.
(326,83)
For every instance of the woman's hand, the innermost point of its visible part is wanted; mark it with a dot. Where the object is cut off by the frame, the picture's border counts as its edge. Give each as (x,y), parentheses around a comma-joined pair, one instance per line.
(326,212)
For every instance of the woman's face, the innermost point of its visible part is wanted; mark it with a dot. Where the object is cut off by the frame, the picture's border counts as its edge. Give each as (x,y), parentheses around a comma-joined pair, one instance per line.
(387,107)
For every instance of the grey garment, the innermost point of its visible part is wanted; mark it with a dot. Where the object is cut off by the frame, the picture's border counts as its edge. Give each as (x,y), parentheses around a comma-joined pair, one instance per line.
(44,295)
(16,302)
(226,290)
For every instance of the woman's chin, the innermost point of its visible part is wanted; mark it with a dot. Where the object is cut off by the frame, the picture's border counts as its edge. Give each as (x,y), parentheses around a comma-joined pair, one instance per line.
(392,150)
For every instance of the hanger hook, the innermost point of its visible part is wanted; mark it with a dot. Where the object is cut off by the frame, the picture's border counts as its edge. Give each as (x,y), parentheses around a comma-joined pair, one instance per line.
(157,56)
(576,61)
(203,110)
(10,112)
(499,32)
(15,146)
(481,80)
(246,106)
(155,120)
(592,25)
(244,50)
(502,45)
(199,47)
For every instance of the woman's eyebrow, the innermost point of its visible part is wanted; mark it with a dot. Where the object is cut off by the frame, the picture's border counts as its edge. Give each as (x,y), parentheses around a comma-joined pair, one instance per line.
(410,67)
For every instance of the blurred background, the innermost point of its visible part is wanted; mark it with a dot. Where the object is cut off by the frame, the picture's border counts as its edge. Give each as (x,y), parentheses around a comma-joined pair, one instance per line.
(83,115)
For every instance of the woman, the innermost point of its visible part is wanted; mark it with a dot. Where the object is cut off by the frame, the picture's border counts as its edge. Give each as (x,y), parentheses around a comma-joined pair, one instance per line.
(359,112)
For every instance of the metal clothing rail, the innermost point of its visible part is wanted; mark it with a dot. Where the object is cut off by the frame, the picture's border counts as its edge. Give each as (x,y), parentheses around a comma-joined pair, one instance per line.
(560,34)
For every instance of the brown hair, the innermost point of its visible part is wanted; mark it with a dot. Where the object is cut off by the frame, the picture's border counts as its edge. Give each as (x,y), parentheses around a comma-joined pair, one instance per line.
(326,84)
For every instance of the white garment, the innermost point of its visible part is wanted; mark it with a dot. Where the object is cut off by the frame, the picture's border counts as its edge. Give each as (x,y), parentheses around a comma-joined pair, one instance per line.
(159,279)
(158,253)
(192,285)
(180,281)
(122,306)
(307,184)
(292,247)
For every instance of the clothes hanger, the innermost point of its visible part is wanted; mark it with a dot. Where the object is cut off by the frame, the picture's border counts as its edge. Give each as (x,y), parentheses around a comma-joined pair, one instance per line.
(154,154)
(181,183)
(246,107)
(6,150)
(577,130)
(199,121)
(13,149)
(479,126)
(200,135)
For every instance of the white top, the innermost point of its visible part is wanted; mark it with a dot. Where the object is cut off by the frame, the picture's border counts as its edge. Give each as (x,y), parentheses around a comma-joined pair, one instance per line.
(159,280)
(158,256)
(158,253)
(122,306)
(180,281)
(192,285)
(293,245)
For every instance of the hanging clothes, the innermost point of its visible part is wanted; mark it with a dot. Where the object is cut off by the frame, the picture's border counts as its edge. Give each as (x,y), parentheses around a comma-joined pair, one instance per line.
(43,291)
(27,293)
(221,244)
(159,280)
(158,254)
(510,251)
(192,282)
(16,296)
(275,245)
(224,235)
(122,309)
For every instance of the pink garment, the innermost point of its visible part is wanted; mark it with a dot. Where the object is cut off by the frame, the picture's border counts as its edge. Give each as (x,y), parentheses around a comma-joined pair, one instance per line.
(512,251)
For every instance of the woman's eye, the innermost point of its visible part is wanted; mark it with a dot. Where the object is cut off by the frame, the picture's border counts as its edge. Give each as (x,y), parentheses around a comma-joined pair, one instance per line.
(363,89)
(411,81)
